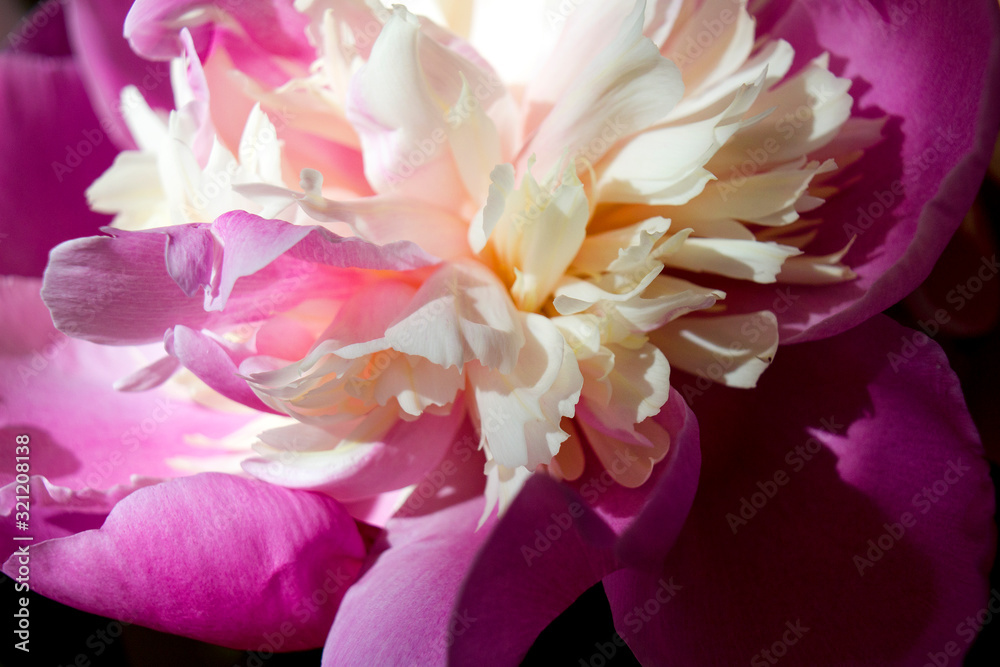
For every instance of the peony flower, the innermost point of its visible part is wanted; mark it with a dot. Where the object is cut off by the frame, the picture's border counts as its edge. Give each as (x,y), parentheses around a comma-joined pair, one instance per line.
(432,379)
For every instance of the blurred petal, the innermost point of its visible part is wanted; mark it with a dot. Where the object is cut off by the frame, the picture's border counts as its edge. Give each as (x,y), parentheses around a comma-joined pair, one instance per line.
(50,159)
(108,64)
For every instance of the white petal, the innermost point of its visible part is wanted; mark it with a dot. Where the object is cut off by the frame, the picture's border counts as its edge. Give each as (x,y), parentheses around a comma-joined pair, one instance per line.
(520,412)
(627,87)
(461,313)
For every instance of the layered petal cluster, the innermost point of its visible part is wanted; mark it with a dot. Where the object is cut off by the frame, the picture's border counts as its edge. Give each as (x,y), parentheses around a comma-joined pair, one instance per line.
(568,216)
(437,264)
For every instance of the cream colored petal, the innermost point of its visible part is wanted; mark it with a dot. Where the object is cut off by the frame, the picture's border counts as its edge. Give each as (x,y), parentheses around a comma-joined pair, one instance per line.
(627,87)
(519,413)
(461,313)
(742,260)
(731,349)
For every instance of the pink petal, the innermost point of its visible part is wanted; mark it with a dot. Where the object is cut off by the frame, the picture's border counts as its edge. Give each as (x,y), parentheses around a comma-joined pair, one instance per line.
(119,290)
(218,558)
(55,511)
(56,152)
(213,363)
(399,610)
(59,391)
(847,494)
(272,27)
(41,31)
(548,549)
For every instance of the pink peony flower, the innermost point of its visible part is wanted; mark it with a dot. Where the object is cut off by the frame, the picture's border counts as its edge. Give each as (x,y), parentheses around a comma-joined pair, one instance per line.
(433,380)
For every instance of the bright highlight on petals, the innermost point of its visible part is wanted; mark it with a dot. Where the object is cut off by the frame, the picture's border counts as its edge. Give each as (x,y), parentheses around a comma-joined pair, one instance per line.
(577,216)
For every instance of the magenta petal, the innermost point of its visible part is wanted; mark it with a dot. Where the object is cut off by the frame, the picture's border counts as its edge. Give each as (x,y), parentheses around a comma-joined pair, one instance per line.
(56,511)
(400,609)
(59,391)
(548,549)
(649,518)
(108,64)
(272,25)
(41,31)
(56,152)
(934,70)
(847,494)
(214,557)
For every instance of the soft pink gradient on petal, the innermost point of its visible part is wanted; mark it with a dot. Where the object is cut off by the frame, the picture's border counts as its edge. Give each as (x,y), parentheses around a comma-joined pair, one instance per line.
(59,391)
(879,439)
(273,27)
(214,557)
(399,610)
(547,550)
(119,290)
(213,363)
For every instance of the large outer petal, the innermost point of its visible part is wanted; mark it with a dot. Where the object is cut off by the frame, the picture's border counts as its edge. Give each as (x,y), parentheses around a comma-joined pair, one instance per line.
(59,391)
(438,587)
(845,446)
(934,69)
(399,610)
(50,155)
(215,557)
(108,64)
